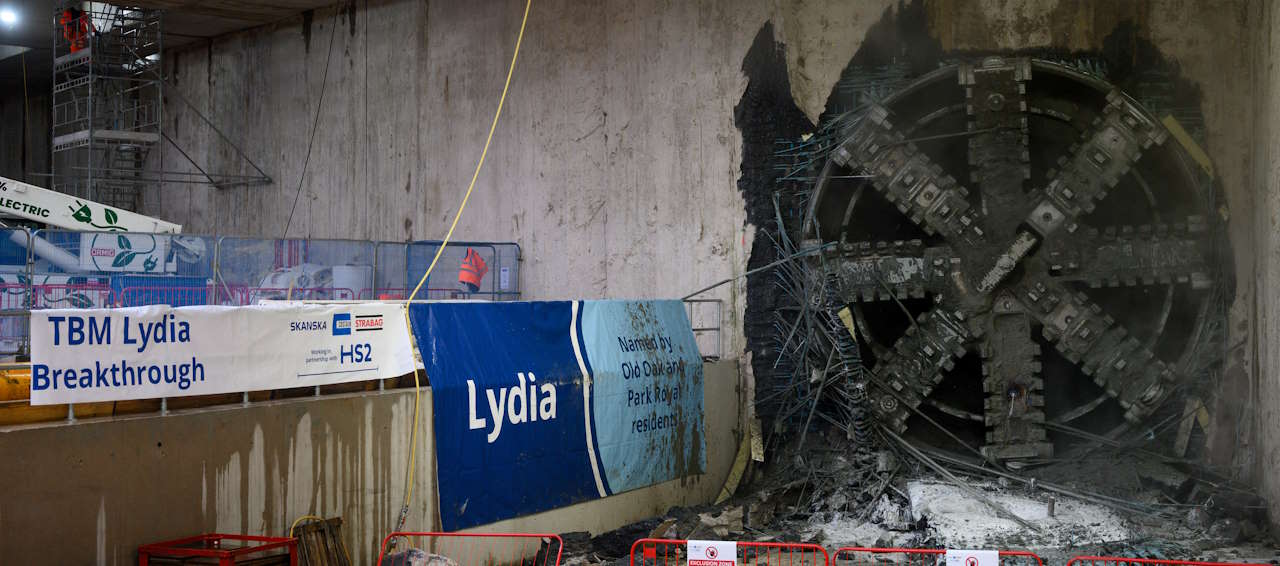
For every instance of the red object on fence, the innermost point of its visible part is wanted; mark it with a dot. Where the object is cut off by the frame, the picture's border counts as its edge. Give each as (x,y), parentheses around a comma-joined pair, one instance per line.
(926,556)
(671,552)
(228,549)
(1119,561)
(487,548)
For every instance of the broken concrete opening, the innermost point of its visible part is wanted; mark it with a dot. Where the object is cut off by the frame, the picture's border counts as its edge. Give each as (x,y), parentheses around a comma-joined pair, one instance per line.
(1006,323)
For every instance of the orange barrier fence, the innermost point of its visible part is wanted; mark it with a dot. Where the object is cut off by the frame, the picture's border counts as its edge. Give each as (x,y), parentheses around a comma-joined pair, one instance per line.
(672,552)
(478,548)
(1120,561)
(853,555)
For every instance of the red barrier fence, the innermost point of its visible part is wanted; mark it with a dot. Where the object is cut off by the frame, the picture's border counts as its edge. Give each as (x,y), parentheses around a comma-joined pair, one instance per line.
(852,555)
(226,549)
(671,552)
(1120,561)
(479,548)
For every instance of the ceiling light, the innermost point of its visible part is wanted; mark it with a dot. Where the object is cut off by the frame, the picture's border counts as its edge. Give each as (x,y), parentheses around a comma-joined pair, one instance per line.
(8,17)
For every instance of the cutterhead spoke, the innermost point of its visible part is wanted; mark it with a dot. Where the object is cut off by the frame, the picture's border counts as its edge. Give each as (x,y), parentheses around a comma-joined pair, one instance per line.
(1014,406)
(1104,154)
(996,103)
(1103,349)
(1131,256)
(909,179)
(930,346)
(885,270)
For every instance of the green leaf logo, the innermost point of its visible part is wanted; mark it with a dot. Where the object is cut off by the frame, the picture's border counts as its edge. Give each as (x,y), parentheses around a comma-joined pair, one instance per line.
(123,259)
(111,215)
(123,243)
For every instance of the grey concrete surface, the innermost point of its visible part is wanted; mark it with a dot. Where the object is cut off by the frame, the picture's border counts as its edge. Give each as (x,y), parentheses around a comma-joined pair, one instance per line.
(24,153)
(95,490)
(1265,120)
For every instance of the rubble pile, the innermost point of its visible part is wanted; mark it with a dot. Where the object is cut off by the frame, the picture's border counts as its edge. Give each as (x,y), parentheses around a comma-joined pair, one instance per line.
(836,493)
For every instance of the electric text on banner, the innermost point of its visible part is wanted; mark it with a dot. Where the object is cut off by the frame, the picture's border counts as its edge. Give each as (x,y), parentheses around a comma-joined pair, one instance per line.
(87,355)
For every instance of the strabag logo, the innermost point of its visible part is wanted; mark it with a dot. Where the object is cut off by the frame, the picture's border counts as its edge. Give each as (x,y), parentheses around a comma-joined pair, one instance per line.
(367,322)
(342,324)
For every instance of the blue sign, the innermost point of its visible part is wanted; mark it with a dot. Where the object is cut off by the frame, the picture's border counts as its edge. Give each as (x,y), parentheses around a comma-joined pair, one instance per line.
(539,405)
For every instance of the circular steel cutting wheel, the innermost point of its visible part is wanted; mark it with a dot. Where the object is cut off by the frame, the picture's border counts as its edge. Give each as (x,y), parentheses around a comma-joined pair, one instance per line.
(1032,215)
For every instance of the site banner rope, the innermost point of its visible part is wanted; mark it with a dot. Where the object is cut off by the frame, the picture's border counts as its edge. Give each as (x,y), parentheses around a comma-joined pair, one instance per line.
(417,382)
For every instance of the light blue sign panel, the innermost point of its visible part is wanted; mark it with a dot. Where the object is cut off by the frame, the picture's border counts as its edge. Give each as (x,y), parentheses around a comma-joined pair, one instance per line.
(647,391)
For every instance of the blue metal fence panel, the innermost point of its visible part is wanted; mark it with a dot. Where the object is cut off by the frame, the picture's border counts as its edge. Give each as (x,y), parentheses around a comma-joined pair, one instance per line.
(500,283)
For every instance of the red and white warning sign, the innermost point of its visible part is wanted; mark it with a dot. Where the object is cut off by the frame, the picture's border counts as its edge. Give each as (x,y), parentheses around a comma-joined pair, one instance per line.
(961,557)
(712,553)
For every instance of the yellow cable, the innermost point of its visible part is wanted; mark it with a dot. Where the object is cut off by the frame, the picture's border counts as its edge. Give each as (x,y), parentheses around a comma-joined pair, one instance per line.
(301,519)
(413,437)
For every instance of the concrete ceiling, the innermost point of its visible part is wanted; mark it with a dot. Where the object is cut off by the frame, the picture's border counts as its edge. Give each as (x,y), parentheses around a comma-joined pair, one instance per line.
(188,20)
(185,22)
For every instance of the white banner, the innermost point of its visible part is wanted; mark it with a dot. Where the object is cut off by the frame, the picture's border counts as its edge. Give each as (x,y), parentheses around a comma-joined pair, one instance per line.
(86,355)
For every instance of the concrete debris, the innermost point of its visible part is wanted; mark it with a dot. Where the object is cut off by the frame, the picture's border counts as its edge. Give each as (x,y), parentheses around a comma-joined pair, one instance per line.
(955,520)
(761,513)
(667,529)
(899,493)
(416,557)
(1197,518)
(1161,475)
(1227,529)
(892,515)
(885,462)
(724,522)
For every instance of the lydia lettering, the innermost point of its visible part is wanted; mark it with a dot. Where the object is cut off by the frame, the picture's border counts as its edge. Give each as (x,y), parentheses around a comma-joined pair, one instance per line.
(512,404)
(78,330)
(157,332)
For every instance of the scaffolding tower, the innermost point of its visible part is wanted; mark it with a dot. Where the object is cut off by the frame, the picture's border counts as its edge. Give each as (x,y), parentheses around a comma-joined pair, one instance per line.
(107,101)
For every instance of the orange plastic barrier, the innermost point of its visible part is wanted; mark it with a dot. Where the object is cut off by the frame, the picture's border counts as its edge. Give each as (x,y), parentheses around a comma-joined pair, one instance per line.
(671,552)
(483,548)
(853,555)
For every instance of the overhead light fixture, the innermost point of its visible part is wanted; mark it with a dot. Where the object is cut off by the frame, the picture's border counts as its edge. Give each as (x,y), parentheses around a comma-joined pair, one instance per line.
(8,17)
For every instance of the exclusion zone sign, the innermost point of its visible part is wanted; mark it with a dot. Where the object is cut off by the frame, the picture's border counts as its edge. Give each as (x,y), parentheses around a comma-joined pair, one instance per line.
(712,553)
(961,557)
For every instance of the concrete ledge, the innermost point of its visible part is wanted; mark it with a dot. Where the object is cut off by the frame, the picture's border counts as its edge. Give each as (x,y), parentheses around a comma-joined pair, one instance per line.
(91,492)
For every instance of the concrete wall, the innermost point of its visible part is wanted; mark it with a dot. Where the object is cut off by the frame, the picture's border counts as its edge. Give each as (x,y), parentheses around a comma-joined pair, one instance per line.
(614,166)
(24,153)
(95,490)
(616,163)
(1266,120)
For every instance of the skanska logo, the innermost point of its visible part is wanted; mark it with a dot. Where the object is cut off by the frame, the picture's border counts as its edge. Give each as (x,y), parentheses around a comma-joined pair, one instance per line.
(342,324)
